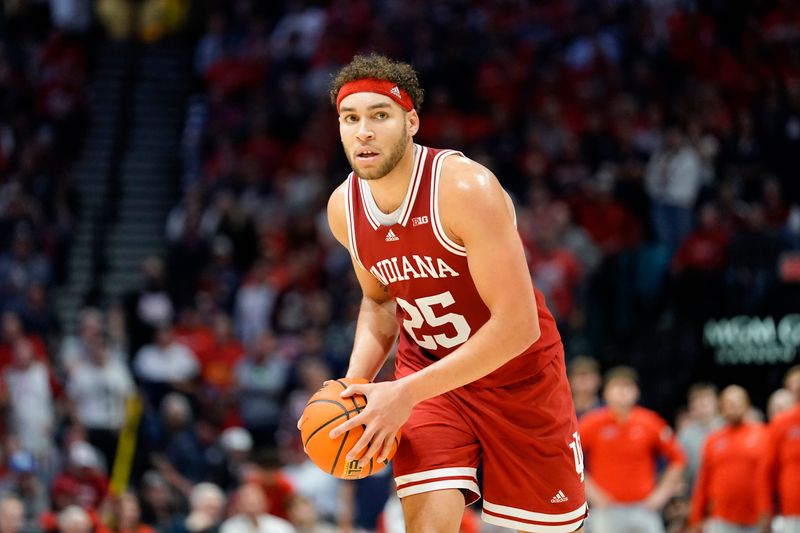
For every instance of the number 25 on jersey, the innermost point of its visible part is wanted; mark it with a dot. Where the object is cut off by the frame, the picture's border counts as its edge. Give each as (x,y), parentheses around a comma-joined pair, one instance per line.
(422,312)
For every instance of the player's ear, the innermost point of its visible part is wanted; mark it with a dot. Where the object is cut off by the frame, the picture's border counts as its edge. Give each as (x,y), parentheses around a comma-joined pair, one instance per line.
(412,120)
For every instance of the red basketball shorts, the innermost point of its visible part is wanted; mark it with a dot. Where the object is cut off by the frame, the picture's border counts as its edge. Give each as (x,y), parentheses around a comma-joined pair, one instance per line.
(526,437)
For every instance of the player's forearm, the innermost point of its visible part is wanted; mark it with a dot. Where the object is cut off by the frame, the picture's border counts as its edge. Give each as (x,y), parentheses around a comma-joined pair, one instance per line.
(494,344)
(376,333)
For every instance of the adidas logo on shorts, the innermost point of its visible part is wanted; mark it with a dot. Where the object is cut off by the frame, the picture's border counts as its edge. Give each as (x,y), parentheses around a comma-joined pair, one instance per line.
(559,498)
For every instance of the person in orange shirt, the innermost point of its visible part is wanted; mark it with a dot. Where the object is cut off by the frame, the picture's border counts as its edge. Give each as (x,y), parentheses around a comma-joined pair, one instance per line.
(622,443)
(780,471)
(723,492)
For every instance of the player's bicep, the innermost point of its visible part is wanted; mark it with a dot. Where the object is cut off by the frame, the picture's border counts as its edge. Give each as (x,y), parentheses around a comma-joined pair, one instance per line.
(337,217)
(370,285)
(478,214)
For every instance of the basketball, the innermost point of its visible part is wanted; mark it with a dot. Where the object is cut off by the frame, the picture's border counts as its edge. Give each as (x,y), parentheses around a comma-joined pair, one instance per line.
(324,411)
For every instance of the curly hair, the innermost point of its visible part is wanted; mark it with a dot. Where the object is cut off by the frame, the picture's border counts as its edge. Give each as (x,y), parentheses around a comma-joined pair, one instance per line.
(381,68)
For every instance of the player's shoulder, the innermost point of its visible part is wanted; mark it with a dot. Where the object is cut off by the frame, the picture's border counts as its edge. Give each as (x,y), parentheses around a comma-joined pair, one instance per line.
(463,175)
(337,218)
(468,191)
(337,197)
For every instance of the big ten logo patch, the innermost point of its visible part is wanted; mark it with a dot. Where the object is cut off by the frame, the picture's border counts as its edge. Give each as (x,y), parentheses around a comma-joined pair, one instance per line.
(418,221)
(352,470)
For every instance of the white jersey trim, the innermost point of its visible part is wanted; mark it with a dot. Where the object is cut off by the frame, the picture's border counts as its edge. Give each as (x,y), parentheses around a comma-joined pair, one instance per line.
(437,479)
(373,221)
(524,526)
(438,230)
(442,485)
(437,473)
(351,226)
(375,216)
(513,512)
(419,164)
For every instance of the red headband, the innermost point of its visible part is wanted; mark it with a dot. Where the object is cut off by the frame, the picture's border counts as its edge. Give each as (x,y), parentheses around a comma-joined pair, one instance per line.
(371,85)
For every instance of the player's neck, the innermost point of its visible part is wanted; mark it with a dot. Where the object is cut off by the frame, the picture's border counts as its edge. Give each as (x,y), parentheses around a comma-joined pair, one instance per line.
(390,190)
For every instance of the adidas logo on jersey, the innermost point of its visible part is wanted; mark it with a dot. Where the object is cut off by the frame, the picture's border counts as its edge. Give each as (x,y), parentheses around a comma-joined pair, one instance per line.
(391,236)
(560,497)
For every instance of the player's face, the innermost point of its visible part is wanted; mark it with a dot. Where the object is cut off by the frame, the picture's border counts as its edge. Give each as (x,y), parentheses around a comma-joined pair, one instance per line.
(375,132)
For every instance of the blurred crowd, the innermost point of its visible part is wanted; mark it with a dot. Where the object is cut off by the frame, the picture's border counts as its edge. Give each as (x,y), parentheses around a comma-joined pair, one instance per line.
(650,148)
(43,119)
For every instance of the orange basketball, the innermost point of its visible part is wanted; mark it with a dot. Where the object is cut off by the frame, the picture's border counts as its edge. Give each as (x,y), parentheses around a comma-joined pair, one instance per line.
(324,411)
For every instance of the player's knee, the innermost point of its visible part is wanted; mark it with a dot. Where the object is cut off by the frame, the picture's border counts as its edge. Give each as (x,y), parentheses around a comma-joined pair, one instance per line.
(423,524)
(579,530)
(434,512)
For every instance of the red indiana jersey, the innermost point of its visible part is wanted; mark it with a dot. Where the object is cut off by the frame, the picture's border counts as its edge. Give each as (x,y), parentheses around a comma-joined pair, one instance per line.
(427,274)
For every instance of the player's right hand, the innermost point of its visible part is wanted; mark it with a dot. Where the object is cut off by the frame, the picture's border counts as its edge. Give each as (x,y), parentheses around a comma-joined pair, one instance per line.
(388,408)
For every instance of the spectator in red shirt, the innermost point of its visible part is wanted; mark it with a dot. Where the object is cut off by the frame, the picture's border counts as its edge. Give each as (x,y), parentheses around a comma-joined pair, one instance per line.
(698,265)
(218,361)
(555,271)
(10,332)
(612,227)
(780,469)
(192,332)
(276,485)
(82,482)
(622,444)
(723,492)
(705,248)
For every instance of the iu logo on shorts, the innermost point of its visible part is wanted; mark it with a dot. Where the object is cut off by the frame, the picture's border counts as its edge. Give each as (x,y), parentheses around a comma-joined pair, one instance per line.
(577,453)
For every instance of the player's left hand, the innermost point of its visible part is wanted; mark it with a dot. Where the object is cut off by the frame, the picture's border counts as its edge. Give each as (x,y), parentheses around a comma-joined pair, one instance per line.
(386,411)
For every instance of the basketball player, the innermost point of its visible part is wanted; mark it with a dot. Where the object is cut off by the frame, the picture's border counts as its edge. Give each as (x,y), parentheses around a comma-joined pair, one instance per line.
(480,371)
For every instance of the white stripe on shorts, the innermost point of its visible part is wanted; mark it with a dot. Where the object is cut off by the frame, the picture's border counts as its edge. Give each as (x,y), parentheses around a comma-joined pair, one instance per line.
(437,479)
(511,517)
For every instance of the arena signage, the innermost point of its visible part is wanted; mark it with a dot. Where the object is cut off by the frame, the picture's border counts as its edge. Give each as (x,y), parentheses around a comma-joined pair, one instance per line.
(752,340)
